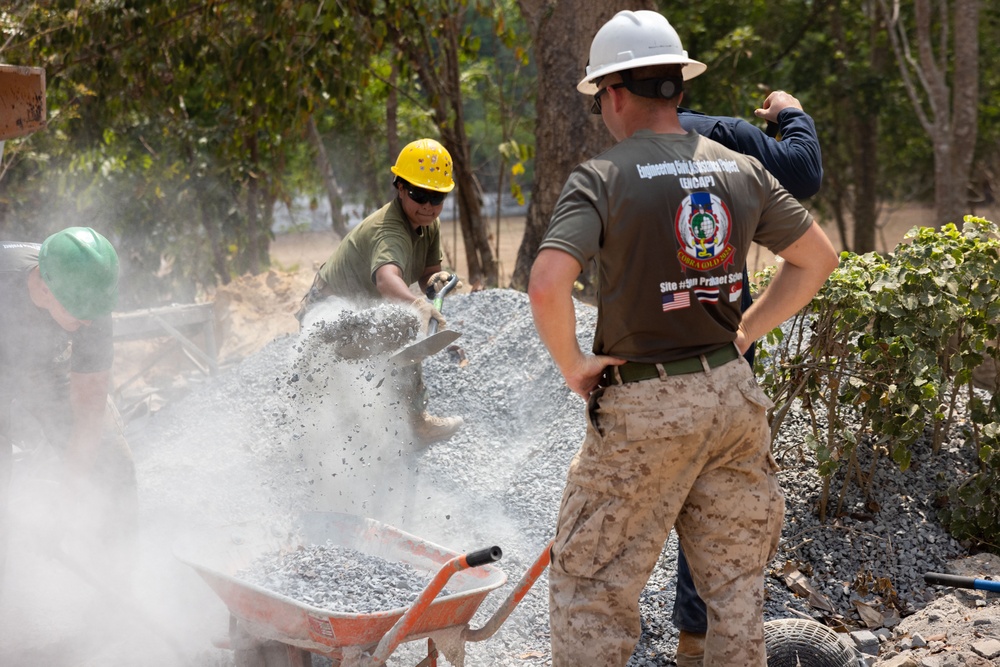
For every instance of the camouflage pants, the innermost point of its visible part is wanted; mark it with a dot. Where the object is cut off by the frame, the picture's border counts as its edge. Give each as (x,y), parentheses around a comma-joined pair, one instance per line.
(686,451)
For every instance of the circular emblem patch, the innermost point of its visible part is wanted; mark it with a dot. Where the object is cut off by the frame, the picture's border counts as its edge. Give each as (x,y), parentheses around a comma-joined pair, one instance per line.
(703,226)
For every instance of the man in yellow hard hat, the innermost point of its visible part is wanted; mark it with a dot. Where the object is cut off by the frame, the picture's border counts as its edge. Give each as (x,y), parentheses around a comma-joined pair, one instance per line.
(56,352)
(390,250)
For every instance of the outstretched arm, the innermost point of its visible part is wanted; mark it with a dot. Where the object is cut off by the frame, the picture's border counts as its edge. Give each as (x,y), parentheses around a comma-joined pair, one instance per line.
(796,161)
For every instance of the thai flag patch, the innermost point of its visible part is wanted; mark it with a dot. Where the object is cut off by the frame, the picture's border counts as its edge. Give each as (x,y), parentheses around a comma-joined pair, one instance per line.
(676,300)
(707,294)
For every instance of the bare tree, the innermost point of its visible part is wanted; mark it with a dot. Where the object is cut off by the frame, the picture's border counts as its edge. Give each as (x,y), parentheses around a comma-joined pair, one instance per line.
(854,176)
(566,133)
(947,43)
(334,193)
(435,60)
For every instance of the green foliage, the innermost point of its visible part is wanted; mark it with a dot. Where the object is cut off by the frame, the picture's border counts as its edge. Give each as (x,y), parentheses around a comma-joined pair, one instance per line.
(973,507)
(176,126)
(517,154)
(887,347)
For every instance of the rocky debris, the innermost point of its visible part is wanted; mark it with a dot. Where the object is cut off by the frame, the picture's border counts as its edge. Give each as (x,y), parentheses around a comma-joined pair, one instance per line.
(362,334)
(338,578)
(959,628)
(251,310)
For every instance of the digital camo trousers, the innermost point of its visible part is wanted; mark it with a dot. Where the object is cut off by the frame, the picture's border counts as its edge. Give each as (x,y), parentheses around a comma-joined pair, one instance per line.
(687,450)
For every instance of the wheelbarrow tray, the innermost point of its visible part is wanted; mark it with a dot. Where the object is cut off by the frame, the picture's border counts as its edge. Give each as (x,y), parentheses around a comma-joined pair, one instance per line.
(220,553)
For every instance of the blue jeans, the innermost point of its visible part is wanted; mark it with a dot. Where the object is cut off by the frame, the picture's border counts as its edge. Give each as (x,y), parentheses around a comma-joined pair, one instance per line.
(689,609)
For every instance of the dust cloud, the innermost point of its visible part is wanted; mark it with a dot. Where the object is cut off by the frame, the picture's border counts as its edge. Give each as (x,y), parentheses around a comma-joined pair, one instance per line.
(320,420)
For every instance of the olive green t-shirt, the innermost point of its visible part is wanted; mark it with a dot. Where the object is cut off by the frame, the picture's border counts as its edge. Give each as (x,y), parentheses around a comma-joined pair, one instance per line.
(384,237)
(36,354)
(669,219)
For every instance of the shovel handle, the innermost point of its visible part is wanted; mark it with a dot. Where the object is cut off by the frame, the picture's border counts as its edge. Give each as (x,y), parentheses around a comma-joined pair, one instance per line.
(437,299)
(938,579)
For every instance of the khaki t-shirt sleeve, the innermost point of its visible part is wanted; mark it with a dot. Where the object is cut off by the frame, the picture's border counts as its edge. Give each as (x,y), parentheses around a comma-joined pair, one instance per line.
(390,247)
(434,256)
(577,222)
(783,219)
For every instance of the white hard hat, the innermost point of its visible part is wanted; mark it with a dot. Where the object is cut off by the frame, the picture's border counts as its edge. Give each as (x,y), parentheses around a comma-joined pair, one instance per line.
(636,39)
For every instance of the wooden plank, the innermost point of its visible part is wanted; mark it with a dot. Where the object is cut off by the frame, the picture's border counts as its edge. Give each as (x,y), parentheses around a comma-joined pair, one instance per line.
(138,324)
(22,100)
(179,322)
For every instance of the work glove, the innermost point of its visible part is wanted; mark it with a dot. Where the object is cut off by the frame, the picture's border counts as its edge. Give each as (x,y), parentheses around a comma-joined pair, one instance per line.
(439,279)
(428,312)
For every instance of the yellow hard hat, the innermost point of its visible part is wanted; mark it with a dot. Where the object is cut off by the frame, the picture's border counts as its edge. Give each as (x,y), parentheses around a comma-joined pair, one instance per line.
(426,164)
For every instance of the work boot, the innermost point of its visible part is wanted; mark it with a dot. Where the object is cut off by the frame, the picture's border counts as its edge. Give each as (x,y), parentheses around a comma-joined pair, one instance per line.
(690,649)
(430,429)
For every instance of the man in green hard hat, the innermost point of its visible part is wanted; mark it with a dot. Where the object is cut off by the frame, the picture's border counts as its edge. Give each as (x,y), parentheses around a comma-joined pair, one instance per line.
(56,353)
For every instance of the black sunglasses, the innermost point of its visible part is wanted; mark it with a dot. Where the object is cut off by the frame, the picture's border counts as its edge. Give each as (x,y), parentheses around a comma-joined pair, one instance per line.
(595,108)
(421,196)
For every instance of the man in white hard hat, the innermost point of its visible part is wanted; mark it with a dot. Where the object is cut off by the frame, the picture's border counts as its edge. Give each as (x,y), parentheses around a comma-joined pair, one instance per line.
(677,434)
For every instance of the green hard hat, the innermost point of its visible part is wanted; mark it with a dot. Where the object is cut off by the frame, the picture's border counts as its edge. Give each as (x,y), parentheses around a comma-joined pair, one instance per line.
(80,267)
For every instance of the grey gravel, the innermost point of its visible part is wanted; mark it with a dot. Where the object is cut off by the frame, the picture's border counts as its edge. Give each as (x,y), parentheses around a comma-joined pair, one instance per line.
(338,578)
(252,444)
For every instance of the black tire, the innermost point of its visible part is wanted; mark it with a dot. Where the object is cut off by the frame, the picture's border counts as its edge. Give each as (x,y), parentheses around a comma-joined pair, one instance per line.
(795,642)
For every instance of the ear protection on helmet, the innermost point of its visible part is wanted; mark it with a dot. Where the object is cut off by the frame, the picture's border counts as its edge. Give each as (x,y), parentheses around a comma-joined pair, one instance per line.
(666,87)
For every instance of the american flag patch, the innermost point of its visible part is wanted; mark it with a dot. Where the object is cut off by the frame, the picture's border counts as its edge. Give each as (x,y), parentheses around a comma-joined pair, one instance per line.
(675,300)
(707,294)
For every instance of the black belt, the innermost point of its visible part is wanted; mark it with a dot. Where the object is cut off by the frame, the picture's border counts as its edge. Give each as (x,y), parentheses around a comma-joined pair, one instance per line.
(633,371)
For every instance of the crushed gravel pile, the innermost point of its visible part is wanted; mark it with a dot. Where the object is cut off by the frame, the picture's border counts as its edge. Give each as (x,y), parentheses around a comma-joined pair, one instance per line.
(338,579)
(251,444)
(359,334)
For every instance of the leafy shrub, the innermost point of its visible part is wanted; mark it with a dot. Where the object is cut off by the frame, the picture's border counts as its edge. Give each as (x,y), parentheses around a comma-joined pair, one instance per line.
(884,352)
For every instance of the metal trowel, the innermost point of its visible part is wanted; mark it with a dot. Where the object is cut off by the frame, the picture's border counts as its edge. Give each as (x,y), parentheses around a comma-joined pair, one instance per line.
(435,340)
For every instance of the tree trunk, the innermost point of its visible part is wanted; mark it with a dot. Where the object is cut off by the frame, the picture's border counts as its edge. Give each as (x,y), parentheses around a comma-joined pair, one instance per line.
(254,256)
(866,139)
(442,82)
(391,114)
(966,98)
(325,169)
(948,116)
(566,133)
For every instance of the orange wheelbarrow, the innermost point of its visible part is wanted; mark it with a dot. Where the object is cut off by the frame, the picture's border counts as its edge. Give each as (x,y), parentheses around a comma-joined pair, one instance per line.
(268,629)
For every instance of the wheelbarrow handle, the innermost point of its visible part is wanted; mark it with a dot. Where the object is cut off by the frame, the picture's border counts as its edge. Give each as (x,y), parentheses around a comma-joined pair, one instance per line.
(409,619)
(484,556)
(504,610)
(938,579)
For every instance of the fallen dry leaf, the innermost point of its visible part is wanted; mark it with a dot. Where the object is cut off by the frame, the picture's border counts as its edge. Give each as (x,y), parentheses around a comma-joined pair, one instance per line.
(798,584)
(870,616)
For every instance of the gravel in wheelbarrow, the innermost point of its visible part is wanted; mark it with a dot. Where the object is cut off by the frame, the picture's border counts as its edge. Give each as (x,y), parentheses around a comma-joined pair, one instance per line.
(338,578)
(218,555)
